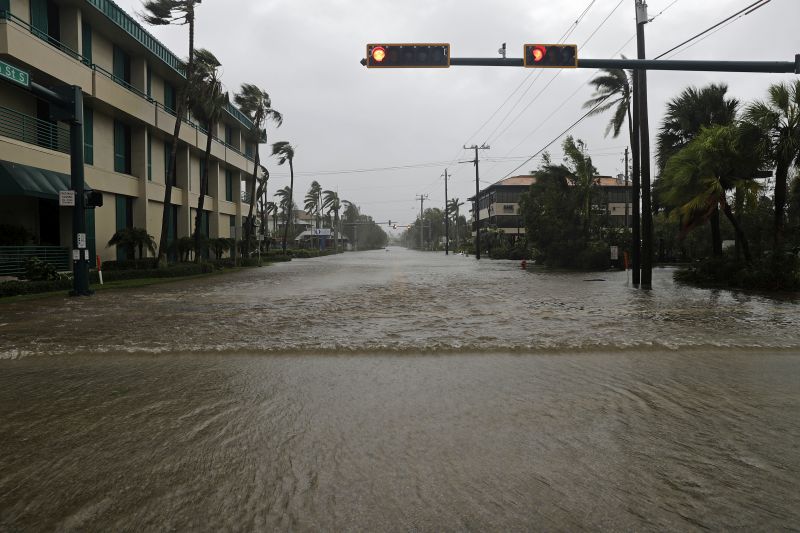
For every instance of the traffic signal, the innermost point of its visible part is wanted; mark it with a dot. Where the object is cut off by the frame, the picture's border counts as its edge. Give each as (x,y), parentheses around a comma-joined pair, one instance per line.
(551,56)
(92,199)
(408,55)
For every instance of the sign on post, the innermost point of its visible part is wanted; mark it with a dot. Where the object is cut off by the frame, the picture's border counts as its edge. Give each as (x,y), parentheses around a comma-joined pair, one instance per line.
(82,241)
(12,73)
(615,253)
(321,232)
(66,198)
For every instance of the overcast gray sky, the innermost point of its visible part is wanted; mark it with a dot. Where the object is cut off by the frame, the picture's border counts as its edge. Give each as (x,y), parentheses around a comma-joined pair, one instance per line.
(343,117)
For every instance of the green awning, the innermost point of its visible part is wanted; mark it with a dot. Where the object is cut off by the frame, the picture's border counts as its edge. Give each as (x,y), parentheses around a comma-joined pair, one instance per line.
(22,180)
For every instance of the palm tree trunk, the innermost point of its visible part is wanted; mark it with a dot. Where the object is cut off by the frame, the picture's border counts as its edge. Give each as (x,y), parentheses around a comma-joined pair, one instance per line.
(740,237)
(203,191)
(248,228)
(173,157)
(781,172)
(716,238)
(291,193)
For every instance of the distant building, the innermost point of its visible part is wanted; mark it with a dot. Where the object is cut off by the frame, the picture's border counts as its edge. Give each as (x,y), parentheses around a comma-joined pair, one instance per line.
(498,204)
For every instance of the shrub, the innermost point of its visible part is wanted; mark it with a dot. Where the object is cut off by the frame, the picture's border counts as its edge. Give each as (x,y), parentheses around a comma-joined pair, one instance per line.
(767,274)
(138,264)
(15,288)
(38,270)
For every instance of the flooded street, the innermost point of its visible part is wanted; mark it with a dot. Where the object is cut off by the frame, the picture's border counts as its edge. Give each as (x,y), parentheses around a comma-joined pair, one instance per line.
(401,391)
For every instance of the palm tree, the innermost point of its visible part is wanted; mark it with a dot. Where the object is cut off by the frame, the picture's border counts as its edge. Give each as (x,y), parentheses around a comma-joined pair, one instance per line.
(453,207)
(686,115)
(286,206)
(330,203)
(132,239)
(163,13)
(698,178)
(778,118)
(271,208)
(285,153)
(257,105)
(313,200)
(207,101)
(582,176)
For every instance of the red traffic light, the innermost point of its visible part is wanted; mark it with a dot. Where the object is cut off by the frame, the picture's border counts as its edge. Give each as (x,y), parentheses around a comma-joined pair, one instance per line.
(378,54)
(408,55)
(550,56)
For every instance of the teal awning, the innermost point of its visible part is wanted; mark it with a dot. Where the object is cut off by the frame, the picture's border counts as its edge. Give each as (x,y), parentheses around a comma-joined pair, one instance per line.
(22,180)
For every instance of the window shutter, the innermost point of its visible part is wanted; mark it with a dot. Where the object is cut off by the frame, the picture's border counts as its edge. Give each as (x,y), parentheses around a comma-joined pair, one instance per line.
(88,136)
(86,47)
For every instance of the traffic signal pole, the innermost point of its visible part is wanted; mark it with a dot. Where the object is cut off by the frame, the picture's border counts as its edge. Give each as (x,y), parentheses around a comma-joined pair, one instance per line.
(778,67)
(421,198)
(446,218)
(68,104)
(644,153)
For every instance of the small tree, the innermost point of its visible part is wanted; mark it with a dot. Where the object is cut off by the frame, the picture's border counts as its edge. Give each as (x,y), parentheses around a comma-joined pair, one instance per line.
(285,153)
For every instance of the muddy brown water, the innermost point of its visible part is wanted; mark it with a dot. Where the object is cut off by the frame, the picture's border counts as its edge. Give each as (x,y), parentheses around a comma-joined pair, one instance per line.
(401,391)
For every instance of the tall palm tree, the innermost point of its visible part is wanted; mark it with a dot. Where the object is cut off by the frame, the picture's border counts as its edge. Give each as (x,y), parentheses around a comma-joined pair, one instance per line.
(163,13)
(257,105)
(453,207)
(313,200)
(207,101)
(686,115)
(271,209)
(582,176)
(698,178)
(778,118)
(331,203)
(285,153)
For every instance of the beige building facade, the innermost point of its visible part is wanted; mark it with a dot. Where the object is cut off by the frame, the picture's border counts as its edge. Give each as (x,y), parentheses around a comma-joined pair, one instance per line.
(129,82)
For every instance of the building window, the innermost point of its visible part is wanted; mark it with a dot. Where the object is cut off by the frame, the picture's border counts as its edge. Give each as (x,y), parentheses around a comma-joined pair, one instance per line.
(169,98)
(4,5)
(88,136)
(45,21)
(122,65)
(124,220)
(228,135)
(86,47)
(232,225)
(149,156)
(228,185)
(122,147)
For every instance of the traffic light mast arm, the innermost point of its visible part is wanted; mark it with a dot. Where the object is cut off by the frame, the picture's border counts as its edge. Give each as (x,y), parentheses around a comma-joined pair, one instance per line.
(647,64)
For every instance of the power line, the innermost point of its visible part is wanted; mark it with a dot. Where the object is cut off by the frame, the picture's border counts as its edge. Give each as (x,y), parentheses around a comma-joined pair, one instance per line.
(747,10)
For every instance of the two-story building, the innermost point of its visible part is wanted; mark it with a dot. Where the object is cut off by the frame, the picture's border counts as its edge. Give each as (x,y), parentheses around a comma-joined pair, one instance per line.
(498,204)
(129,80)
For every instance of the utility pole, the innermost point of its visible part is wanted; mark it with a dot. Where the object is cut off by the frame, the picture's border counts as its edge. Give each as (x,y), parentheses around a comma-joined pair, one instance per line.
(477,202)
(626,186)
(446,218)
(644,153)
(421,198)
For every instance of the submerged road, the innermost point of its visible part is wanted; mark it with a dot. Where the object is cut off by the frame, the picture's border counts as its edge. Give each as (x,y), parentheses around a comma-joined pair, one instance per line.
(401,390)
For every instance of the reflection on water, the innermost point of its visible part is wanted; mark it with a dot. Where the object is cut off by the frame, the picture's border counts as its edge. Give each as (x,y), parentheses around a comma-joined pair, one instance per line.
(552,403)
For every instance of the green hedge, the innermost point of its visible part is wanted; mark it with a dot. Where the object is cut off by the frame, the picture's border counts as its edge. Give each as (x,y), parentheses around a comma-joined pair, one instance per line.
(15,288)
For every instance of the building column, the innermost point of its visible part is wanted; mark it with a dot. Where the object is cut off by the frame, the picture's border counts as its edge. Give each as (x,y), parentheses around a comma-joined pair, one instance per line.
(139,139)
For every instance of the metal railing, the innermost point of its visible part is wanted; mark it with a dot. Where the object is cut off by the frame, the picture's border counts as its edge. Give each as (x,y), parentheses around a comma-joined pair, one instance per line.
(13,258)
(32,130)
(123,20)
(245,197)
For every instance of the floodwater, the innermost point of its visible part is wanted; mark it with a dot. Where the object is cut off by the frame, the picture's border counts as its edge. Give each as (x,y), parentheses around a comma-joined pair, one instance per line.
(401,391)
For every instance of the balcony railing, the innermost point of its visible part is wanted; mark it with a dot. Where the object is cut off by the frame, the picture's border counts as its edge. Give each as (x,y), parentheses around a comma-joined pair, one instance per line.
(32,130)
(123,20)
(13,258)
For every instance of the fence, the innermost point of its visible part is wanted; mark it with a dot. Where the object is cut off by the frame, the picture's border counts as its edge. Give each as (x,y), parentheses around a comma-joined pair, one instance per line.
(13,258)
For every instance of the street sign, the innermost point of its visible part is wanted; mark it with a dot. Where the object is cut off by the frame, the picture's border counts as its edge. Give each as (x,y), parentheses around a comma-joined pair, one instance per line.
(66,198)
(615,253)
(81,241)
(12,73)
(321,232)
